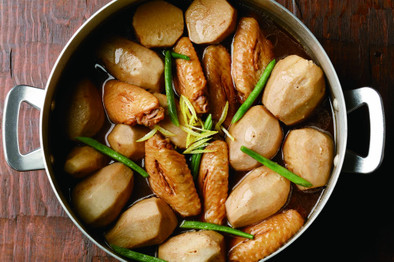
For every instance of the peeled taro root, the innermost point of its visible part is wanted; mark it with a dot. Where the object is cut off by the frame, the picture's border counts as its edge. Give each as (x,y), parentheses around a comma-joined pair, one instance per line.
(258,130)
(158,24)
(296,86)
(82,161)
(148,222)
(210,21)
(194,246)
(132,63)
(85,116)
(259,195)
(99,198)
(309,153)
(123,139)
(179,138)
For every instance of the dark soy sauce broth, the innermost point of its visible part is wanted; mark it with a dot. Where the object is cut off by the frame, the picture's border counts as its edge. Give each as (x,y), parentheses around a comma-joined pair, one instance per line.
(84,63)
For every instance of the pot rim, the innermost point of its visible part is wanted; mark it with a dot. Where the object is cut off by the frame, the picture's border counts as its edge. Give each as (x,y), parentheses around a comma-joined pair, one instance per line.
(280,15)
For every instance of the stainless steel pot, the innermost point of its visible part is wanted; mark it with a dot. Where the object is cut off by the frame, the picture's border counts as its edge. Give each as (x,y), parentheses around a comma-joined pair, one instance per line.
(343,102)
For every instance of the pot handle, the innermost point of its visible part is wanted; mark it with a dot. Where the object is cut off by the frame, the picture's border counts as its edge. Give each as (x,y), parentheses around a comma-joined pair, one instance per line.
(12,104)
(371,98)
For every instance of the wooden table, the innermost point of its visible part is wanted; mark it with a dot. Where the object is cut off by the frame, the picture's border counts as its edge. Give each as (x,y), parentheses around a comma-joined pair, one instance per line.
(355,225)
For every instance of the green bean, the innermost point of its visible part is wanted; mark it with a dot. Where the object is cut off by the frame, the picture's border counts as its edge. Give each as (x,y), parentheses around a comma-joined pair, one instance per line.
(176,55)
(179,56)
(276,168)
(113,154)
(255,93)
(214,227)
(196,158)
(168,86)
(135,255)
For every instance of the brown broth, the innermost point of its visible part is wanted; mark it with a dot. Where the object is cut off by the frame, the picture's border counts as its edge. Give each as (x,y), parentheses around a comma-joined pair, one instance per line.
(85,64)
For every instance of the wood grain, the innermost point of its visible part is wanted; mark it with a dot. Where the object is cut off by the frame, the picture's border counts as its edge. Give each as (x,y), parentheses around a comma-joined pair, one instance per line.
(356,34)
(33,225)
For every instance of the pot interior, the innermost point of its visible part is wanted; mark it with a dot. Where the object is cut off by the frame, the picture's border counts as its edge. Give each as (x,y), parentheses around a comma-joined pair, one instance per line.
(79,60)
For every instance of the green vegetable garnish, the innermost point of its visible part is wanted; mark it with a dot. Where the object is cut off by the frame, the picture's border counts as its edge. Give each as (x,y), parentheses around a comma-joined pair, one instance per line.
(164,131)
(227,133)
(176,55)
(222,117)
(189,114)
(113,154)
(193,127)
(168,87)
(135,255)
(156,128)
(196,158)
(214,227)
(276,168)
(179,56)
(196,135)
(255,93)
(197,145)
(148,135)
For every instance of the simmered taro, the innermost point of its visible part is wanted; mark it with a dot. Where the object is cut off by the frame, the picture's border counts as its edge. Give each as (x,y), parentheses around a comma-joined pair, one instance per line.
(100,198)
(295,88)
(158,24)
(201,246)
(210,22)
(258,130)
(85,115)
(135,64)
(309,153)
(229,187)
(123,139)
(84,160)
(148,222)
(259,195)
(180,136)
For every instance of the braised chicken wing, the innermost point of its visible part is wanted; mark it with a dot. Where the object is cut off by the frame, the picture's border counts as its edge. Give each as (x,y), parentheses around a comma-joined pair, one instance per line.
(213,181)
(170,177)
(189,79)
(251,53)
(269,235)
(130,105)
(217,67)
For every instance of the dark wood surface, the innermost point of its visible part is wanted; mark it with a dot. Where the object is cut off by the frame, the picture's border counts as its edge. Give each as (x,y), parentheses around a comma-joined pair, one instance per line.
(355,225)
